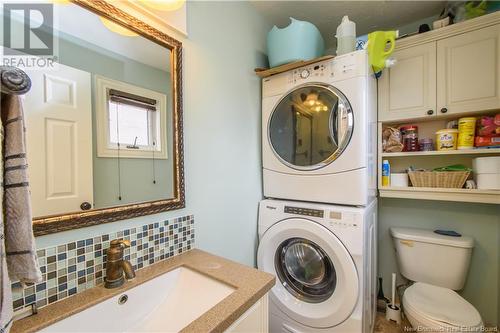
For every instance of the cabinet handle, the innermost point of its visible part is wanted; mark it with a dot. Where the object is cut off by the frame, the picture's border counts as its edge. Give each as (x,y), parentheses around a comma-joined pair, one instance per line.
(85,205)
(430,112)
(444,110)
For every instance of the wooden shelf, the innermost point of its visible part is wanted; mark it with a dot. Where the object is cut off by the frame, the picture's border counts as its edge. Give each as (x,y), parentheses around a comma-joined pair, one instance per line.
(490,151)
(265,72)
(439,117)
(443,194)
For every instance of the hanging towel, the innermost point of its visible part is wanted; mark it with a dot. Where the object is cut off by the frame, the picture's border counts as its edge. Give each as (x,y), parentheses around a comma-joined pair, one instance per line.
(20,250)
(19,240)
(17,245)
(6,311)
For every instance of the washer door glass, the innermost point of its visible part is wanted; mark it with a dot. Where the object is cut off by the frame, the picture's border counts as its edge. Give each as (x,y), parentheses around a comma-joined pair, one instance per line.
(305,270)
(311,126)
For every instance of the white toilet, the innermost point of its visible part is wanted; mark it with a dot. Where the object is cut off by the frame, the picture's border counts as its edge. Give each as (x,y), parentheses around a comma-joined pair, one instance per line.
(438,265)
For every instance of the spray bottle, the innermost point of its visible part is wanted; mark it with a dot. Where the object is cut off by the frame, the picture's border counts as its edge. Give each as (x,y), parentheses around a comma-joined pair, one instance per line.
(378,53)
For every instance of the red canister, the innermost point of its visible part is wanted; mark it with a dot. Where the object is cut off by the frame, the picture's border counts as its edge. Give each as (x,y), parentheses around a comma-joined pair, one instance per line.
(410,137)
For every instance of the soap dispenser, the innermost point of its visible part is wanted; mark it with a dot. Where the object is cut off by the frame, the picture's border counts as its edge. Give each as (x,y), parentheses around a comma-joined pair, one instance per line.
(346,36)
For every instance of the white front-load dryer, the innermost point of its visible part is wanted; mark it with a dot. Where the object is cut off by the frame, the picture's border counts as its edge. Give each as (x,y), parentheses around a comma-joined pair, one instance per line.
(319,132)
(324,260)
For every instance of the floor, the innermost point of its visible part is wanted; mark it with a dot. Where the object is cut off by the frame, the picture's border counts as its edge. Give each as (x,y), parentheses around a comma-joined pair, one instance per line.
(384,326)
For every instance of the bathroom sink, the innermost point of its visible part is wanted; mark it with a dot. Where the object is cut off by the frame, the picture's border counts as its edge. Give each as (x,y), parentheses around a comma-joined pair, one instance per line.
(166,303)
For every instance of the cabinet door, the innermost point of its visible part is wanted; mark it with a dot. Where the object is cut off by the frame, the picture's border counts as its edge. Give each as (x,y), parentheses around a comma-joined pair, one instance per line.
(254,320)
(408,89)
(469,71)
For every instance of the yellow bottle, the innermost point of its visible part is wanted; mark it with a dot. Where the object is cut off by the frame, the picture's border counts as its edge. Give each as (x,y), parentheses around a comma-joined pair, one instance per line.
(377,44)
(466,130)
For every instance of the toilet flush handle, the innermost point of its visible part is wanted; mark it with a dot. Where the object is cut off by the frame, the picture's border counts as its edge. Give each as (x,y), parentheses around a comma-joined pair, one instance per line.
(407,243)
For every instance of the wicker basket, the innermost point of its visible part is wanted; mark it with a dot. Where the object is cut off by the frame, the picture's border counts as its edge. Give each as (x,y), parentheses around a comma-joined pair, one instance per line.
(443,179)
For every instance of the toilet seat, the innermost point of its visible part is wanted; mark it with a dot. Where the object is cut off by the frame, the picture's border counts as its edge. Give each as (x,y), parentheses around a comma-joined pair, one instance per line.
(439,307)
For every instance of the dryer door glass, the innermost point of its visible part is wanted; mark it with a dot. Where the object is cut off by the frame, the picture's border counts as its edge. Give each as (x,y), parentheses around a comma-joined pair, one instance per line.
(311,126)
(305,270)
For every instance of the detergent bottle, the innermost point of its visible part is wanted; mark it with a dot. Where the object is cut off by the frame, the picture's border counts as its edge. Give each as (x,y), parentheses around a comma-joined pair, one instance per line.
(380,46)
(346,36)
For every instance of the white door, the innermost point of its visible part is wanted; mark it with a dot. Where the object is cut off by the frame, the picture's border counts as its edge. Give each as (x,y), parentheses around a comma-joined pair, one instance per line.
(316,278)
(59,140)
(469,71)
(408,89)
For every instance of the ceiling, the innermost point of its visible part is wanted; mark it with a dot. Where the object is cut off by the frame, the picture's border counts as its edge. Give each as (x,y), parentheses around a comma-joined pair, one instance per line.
(368,15)
(71,19)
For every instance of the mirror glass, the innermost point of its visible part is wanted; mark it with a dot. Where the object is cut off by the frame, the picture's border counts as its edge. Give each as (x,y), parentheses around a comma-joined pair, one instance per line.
(99,121)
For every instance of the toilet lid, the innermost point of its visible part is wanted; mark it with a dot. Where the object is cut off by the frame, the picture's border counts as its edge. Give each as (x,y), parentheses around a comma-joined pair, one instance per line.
(441,304)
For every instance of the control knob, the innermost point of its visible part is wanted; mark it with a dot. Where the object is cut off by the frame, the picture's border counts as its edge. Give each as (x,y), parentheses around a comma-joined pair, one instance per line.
(304,74)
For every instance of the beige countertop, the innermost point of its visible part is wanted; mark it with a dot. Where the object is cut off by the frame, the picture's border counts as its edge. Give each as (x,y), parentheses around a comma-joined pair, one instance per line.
(250,285)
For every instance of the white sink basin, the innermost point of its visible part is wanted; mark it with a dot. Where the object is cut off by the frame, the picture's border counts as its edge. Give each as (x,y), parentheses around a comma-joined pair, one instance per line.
(167,303)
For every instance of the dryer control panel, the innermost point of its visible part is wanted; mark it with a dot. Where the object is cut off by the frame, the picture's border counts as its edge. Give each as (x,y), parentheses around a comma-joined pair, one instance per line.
(313,72)
(327,71)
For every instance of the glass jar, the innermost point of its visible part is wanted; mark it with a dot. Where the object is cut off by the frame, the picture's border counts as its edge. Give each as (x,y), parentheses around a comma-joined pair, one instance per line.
(426,144)
(410,137)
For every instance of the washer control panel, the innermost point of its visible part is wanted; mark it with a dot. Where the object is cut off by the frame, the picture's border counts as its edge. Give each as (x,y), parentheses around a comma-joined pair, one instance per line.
(304,211)
(341,219)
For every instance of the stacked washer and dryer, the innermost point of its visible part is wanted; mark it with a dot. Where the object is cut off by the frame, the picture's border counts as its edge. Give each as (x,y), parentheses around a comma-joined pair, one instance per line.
(317,227)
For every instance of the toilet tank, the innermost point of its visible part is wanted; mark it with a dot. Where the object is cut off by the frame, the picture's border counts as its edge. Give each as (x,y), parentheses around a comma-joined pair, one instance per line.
(424,256)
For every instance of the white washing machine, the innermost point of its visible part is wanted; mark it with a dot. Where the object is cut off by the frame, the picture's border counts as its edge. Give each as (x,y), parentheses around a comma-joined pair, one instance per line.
(319,132)
(324,260)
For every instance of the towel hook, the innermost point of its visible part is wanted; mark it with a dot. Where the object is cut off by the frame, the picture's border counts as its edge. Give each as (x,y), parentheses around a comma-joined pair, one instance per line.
(14,81)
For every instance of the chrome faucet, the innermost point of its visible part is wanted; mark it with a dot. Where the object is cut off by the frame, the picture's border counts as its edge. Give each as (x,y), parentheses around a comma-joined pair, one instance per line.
(117,269)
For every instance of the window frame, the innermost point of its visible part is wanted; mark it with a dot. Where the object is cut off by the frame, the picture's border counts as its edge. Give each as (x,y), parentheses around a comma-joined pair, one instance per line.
(107,149)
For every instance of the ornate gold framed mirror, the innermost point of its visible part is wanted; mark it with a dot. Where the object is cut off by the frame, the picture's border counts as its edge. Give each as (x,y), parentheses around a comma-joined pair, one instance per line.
(130,161)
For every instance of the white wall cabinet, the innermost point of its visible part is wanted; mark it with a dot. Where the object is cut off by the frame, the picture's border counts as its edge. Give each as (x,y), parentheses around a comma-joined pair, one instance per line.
(468,77)
(455,69)
(254,320)
(408,89)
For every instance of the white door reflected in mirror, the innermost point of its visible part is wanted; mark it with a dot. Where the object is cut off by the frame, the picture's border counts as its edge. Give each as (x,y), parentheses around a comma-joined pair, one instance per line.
(59,140)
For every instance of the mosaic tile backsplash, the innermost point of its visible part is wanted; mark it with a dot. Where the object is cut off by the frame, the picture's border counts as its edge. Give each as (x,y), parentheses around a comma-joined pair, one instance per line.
(71,268)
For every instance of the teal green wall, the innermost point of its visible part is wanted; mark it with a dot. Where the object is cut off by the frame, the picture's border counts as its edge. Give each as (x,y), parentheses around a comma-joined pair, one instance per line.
(413,27)
(136,174)
(498,291)
(222,131)
(480,221)
(226,42)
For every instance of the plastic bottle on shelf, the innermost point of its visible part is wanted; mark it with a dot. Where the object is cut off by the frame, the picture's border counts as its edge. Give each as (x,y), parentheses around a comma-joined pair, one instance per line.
(346,36)
(466,131)
(386,173)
